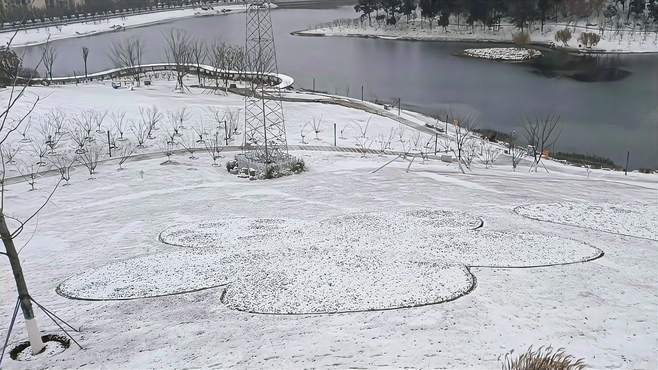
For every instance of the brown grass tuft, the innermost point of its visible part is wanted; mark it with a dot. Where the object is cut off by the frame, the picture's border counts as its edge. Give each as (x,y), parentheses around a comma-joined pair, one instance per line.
(543,358)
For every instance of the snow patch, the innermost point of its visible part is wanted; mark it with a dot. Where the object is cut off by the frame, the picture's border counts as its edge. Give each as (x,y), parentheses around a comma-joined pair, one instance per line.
(505,54)
(312,281)
(640,220)
(153,276)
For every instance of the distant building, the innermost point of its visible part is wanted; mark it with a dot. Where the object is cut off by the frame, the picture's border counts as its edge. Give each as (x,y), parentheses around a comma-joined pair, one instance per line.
(42,4)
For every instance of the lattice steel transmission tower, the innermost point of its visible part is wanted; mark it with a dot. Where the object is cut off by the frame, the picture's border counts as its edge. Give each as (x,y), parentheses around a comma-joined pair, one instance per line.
(265,129)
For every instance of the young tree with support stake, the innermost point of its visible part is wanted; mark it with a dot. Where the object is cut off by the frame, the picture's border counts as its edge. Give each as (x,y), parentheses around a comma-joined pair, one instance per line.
(10,123)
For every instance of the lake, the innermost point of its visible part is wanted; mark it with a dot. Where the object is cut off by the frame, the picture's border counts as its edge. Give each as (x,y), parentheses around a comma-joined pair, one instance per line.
(603,118)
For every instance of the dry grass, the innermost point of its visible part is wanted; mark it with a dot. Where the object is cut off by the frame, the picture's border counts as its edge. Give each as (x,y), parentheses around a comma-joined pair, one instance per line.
(543,358)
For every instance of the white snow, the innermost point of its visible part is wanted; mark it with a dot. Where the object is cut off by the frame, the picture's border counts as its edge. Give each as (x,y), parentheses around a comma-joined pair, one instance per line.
(36,36)
(220,232)
(602,310)
(52,348)
(632,219)
(506,54)
(341,280)
(152,276)
(628,40)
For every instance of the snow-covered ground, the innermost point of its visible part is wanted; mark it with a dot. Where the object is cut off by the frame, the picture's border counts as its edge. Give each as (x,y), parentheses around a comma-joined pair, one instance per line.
(505,54)
(626,219)
(626,41)
(107,230)
(36,36)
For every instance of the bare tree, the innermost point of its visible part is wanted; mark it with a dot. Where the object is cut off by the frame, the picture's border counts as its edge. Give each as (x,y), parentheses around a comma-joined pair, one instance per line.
(316,123)
(517,154)
(119,120)
(200,132)
(58,119)
(178,51)
(9,153)
(214,147)
(167,147)
(40,150)
(49,56)
(461,144)
(63,163)
(188,143)
(90,158)
(99,118)
(541,133)
(150,118)
(30,172)
(9,124)
(85,121)
(85,56)
(302,133)
(128,54)
(125,152)
(220,119)
(489,155)
(199,53)
(140,131)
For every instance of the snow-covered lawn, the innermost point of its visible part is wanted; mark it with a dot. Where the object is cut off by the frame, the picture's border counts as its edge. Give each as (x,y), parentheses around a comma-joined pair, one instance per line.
(356,262)
(152,276)
(505,54)
(36,36)
(626,41)
(626,219)
(220,233)
(321,280)
(353,239)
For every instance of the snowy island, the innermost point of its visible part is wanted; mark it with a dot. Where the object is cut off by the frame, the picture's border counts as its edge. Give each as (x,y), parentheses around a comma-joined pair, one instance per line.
(504,54)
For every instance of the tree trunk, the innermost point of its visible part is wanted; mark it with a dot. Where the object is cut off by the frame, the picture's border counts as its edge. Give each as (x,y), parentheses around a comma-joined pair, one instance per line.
(33,332)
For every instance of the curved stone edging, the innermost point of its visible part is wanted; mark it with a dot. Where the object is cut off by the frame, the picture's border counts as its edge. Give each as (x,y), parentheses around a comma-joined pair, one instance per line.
(466,292)
(59,292)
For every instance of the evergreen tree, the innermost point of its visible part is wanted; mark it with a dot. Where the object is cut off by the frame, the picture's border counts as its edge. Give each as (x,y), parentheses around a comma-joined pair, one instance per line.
(636,7)
(408,7)
(366,7)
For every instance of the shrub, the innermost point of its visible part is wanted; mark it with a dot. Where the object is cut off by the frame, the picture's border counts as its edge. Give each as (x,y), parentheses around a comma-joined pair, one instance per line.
(231,165)
(544,358)
(589,39)
(521,38)
(563,36)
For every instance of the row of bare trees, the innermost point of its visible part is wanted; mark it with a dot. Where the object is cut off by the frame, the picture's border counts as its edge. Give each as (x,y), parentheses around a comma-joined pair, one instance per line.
(183,51)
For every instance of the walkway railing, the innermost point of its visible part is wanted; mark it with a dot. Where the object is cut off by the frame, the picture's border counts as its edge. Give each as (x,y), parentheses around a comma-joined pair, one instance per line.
(275,80)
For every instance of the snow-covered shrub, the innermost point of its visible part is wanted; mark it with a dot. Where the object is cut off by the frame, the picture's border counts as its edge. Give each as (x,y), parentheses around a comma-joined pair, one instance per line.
(544,358)
(589,39)
(521,38)
(563,36)
(231,165)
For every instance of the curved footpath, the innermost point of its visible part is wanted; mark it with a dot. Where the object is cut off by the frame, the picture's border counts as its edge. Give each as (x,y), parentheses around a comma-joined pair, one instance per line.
(277,80)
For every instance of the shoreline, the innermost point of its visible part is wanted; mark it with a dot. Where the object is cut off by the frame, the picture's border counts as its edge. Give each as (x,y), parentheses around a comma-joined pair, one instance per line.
(570,50)
(188,13)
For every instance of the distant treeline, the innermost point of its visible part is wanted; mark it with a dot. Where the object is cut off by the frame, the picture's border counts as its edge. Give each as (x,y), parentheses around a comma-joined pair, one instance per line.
(521,13)
(591,160)
(10,14)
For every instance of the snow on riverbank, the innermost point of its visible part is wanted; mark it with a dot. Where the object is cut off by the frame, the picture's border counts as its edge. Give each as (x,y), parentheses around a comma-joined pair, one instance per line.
(626,219)
(626,41)
(36,36)
(504,54)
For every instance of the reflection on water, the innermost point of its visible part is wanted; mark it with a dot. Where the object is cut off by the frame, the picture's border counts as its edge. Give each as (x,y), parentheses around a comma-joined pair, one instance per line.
(584,68)
(604,118)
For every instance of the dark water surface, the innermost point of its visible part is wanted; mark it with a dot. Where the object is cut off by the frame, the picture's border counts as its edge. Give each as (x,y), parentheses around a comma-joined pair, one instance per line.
(604,118)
